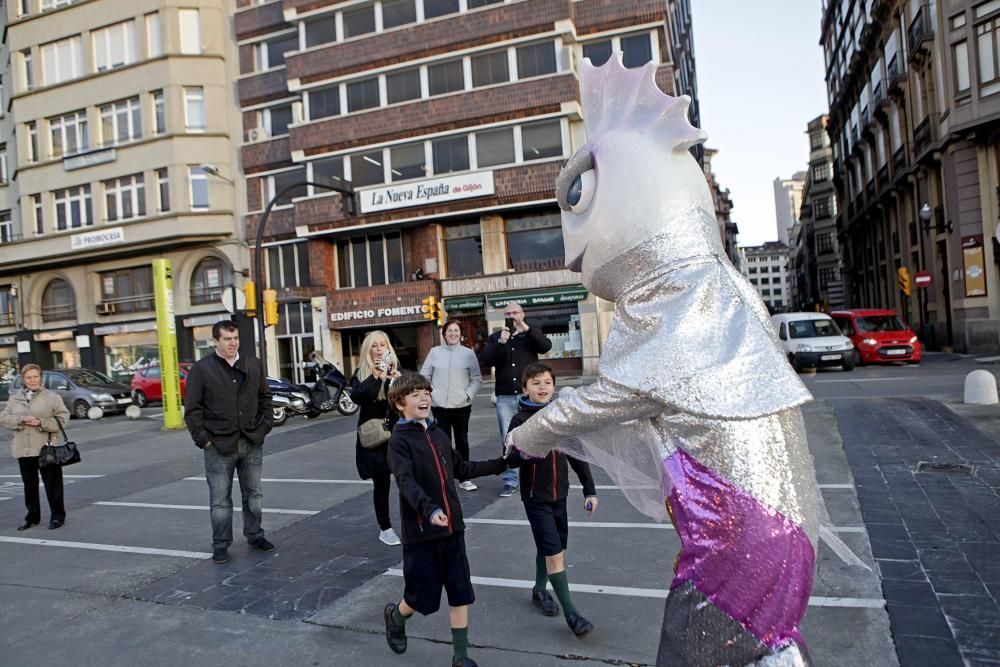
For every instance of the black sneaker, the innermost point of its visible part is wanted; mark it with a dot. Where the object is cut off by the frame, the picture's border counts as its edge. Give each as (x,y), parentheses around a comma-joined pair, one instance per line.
(220,555)
(543,600)
(580,626)
(261,544)
(395,633)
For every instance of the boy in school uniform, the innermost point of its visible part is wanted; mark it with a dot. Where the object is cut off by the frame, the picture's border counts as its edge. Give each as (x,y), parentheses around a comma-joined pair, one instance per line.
(544,487)
(425,467)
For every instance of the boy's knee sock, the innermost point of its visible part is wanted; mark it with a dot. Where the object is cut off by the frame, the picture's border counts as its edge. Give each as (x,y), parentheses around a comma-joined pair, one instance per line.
(397,616)
(561,585)
(541,575)
(460,643)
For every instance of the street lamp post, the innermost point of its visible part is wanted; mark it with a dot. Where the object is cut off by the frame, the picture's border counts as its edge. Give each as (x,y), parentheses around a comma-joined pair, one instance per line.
(345,190)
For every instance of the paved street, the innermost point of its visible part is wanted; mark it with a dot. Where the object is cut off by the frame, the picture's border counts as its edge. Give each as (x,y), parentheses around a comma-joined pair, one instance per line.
(130,567)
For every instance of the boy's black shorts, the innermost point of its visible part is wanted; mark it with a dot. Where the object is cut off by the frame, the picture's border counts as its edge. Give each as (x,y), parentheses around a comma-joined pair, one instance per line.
(429,566)
(549,526)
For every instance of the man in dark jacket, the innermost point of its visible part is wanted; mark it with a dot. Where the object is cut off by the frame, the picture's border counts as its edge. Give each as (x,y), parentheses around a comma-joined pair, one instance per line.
(227,408)
(510,351)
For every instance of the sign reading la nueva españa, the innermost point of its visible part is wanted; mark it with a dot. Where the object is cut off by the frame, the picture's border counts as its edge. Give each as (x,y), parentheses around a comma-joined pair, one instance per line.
(430,191)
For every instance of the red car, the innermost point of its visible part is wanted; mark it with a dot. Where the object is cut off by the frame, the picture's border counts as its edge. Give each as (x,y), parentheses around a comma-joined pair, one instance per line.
(879,336)
(146,385)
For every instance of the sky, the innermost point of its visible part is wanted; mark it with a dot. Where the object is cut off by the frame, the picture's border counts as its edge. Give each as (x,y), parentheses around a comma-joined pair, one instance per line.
(760,81)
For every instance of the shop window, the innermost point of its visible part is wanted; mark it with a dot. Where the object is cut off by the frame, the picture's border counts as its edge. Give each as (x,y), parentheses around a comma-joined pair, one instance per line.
(435,8)
(130,290)
(450,154)
(366,169)
(58,301)
(209,278)
(359,21)
(445,77)
(8,305)
(464,249)
(402,86)
(398,12)
(495,147)
(408,161)
(535,242)
(370,260)
(541,140)
(288,265)
(490,68)
(536,60)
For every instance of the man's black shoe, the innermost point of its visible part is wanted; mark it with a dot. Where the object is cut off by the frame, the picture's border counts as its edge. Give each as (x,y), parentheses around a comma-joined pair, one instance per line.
(56,523)
(580,626)
(468,662)
(395,633)
(27,524)
(543,600)
(261,544)
(220,555)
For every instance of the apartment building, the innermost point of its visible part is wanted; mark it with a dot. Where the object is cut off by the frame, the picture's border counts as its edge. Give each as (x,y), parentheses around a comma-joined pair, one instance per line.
(766,267)
(914,120)
(119,111)
(723,201)
(787,202)
(451,120)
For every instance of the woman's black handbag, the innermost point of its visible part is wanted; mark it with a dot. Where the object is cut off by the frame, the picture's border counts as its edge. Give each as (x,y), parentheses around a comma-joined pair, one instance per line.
(65,454)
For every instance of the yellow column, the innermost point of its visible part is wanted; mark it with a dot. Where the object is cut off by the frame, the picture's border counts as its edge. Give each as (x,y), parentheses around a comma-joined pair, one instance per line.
(166,333)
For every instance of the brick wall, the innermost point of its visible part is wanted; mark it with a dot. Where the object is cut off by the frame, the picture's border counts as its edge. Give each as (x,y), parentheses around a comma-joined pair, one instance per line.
(259,20)
(247,59)
(665,79)
(382,296)
(265,155)
(262,87)
(420,243)
(592,16)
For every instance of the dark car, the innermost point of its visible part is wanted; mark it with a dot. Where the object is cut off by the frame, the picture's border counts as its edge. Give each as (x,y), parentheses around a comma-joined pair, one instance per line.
(84,388)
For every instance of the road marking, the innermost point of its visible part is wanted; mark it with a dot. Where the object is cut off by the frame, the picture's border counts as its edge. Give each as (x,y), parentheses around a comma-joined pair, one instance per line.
(6,498)
(106,547)
(64,476)
(836,486)
(298,481)
(629,591)
(607,524)
(201,507)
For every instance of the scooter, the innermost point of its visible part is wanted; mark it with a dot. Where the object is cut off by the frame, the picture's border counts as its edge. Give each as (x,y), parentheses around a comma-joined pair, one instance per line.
(330,390)
(288,399)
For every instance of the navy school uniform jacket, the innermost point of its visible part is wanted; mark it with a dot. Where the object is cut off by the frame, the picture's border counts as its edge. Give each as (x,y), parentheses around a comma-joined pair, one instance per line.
(425,467)
(547,480)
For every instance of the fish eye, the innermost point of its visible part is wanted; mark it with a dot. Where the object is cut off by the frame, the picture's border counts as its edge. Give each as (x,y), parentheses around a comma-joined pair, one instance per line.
(581,191)
(577,182)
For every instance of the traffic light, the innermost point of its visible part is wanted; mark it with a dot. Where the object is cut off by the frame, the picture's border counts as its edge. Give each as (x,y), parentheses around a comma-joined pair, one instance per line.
(904,280)
(439,313)
(434,310)
(250,290)
(270,307)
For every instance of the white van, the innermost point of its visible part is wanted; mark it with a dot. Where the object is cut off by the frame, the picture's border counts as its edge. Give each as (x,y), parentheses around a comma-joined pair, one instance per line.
(812,340)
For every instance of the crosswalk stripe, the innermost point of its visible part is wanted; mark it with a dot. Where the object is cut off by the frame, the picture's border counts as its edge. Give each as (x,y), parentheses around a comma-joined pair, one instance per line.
(105,547)
(266,510)
(298,481)
(64,476)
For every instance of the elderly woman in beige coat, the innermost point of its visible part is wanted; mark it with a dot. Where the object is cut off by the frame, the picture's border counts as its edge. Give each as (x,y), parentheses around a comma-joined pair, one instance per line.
(35,416)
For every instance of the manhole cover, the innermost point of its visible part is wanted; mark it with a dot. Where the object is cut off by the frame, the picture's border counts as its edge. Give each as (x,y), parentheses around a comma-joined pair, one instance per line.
(947,468)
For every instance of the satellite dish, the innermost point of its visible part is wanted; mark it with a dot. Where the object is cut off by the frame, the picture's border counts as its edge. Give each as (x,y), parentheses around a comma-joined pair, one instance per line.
(133,412)
(95,412)
(227,300)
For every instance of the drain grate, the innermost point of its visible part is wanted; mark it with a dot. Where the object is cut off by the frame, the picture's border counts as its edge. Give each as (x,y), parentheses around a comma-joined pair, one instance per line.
(947,468)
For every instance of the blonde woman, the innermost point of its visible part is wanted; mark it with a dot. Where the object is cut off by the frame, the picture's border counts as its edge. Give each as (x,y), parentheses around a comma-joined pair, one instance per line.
(35,415)
(369,389)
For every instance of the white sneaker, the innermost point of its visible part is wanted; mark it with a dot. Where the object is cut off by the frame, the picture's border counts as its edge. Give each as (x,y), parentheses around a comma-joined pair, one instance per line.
(389,536)
(467,485)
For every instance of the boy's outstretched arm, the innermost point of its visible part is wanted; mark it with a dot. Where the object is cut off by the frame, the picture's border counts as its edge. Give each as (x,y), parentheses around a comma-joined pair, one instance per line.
(401,465)
(463,470)
(586,476)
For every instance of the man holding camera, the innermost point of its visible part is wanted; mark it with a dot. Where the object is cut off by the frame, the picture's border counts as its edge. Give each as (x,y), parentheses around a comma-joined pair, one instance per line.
(509,351)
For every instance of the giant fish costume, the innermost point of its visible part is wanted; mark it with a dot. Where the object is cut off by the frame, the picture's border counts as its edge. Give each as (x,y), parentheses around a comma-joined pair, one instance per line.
(695,410)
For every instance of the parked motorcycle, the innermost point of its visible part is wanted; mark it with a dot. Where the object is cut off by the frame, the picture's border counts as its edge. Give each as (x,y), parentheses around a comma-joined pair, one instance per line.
(331,390)
(289,399)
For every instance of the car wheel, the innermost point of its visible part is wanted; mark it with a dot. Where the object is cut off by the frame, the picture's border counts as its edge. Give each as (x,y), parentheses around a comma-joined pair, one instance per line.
(80,409)
(849,362)
(280,415)
(140,398)
(796,364)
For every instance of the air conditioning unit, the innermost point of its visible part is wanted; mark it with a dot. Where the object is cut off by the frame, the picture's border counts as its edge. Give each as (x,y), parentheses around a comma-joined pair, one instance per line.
(258,134)
(105,309)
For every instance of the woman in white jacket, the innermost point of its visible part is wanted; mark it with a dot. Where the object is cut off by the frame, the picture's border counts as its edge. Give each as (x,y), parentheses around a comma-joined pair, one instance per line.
(454,373)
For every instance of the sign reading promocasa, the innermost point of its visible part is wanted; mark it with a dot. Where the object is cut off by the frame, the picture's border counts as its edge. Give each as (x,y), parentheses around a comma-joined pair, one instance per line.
(539,297)
(430,191)
(372,313)
(97,239)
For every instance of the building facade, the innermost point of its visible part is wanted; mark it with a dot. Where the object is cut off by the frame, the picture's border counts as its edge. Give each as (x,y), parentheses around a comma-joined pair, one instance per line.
(914,120)
(766,267)
(723,201)
(114,111)
(451,120)
(787,202)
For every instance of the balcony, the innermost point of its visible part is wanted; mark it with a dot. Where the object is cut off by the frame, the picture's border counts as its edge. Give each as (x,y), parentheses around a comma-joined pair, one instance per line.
(898,162)
(870,192)
(883,178)
(920,34)
(924,136)
(895,75)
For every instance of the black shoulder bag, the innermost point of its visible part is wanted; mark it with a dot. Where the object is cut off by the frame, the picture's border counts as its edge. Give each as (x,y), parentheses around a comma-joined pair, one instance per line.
(65,454)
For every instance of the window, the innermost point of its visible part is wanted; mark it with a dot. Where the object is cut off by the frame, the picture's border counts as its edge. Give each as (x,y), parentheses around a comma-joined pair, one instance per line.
(286,179)
(328,170)
(114,46)
(277,119)
(8,305)
(765,281)
(637,50)
(6,227)
(362,94)
(130,289)
(598,52)
(402,86)
(159,113)
(370,260)
(62,61)
(3,164)
(162,191)
(821,173)
(541,140)
(495,147)
(198,180)
(323,103)
(29,69)
(960,52)
(125,198)
(68,133)
(209,277)
(753,269)
(435,8)
(464,250)
(824,243)
(36,203)
(366,169)
(474,4)
(821,208)
(450,154)
(190,26)
(58,301)
(121,122)
(49,4)
(321,31)
(535,242)
(827,277)
(73,208)
(765,292)
(490,68)
(408,161)
(536,60)
(194,109)
(815,141)
(398,12)
(32,141)
(359,21)
(154,36)
(288,265)
(445,77)
(271,54)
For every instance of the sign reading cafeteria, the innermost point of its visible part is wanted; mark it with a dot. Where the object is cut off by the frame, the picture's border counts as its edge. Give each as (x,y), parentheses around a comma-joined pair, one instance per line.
(430,191)
(370,313)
